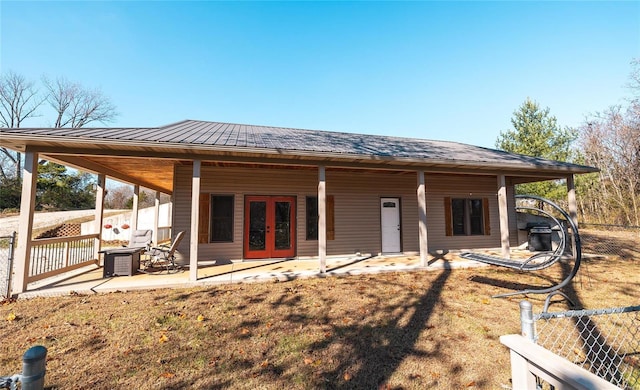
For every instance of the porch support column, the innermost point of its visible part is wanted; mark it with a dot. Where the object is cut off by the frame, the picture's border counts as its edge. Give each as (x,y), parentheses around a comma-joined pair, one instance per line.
(422,220)
(99,213)
(573,206)
(195,219)
(504,217)
(25,228)
(156,218)
(322,219)
(571,197)
(134,212)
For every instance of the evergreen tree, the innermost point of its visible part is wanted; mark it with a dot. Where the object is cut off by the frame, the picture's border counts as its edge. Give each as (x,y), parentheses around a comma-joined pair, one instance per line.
(59,189)
(536,133)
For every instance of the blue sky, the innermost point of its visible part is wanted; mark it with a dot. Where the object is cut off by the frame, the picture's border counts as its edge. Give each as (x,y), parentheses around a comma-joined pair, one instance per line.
(437,70)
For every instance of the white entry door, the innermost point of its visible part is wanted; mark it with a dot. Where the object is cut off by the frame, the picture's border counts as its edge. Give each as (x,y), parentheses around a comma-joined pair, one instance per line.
(390,224)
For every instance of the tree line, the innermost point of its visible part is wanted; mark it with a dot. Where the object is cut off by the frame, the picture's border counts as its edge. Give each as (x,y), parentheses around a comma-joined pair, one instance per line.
(608,140)
(73,106)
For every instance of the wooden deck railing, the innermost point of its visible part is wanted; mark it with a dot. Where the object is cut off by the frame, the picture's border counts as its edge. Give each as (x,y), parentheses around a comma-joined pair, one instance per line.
(53,256)
(164,234)
(529,360)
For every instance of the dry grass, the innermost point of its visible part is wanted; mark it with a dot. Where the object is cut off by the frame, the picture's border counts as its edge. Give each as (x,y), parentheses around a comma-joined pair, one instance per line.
(414,330)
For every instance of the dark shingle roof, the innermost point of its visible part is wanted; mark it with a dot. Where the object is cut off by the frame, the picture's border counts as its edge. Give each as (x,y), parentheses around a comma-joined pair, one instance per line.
(250,137)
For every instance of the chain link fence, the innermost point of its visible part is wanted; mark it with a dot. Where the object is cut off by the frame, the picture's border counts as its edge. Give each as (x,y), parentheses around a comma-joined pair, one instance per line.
(605,342)
(611,240)
(7,249)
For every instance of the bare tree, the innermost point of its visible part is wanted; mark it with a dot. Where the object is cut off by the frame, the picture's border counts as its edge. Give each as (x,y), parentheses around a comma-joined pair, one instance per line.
(117,197)
(19,100)
(611,141)
(76,106)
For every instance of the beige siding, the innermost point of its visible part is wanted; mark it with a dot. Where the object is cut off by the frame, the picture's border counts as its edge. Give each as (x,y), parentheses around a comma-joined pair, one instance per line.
(239,183)
(513,218)
(357,207)
(440,186)
(357,210)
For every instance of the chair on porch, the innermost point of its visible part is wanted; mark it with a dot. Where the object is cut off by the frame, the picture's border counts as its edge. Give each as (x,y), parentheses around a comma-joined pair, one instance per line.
(163,256)
(140,239)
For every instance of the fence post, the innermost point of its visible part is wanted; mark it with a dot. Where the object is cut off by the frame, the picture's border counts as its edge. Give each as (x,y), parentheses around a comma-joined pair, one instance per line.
(12,247)
(526,321)
(33,368)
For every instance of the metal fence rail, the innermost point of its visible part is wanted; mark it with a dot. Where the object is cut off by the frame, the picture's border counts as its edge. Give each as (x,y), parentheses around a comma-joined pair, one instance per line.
(605,342)
(7,250)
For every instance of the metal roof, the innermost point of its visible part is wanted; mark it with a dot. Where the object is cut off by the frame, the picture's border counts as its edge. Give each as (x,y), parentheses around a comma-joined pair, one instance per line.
(195,135)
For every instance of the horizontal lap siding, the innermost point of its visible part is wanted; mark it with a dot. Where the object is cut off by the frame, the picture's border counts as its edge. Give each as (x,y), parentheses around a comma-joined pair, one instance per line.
(439,186)
(513,219)
(357,210)
(240,183)
(357,207)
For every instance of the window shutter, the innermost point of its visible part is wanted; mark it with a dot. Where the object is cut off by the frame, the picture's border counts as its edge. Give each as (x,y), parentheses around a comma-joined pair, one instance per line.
(447,216)
(331,231)
(487,222)
(203,220)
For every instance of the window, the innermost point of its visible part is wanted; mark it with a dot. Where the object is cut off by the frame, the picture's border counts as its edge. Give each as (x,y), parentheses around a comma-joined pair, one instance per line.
(467,217)
(312,218)
(222,218)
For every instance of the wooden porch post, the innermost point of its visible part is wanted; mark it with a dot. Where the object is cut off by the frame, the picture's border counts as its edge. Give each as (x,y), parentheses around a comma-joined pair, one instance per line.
(134,211)
(99,213)
(504,217)
(25,228)
(571,197)
(573,206)
(422,220)
(322,219)
(156,218)
(195,219)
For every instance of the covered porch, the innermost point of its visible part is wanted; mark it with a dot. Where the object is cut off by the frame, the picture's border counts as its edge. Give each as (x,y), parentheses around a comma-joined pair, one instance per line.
(351,179)
(46,258)
(89,279)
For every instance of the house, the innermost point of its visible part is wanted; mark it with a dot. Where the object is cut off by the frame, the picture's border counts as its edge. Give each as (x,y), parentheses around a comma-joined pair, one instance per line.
(253,192)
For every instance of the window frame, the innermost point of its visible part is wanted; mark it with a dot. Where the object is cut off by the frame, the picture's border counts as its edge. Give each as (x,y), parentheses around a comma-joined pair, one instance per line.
(452,216)
(311,221)
(230,218)
(330,220)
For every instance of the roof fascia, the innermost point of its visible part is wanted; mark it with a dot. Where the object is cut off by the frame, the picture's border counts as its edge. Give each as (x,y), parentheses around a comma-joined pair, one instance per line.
(305,158)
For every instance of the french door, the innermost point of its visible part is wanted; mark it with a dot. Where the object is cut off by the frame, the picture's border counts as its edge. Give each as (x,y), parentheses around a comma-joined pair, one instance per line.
(269,227)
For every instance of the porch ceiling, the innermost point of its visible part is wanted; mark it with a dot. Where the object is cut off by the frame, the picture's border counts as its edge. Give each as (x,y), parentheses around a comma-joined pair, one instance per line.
(155,174)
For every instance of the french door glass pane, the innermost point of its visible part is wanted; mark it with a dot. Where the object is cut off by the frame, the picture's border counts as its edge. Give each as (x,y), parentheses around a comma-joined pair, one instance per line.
(282,225)
(257,225)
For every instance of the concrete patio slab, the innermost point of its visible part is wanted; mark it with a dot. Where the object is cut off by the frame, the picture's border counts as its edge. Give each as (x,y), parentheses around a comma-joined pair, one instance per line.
(90,281)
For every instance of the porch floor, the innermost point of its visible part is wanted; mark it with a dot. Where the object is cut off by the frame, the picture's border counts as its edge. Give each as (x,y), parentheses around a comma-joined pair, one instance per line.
(90,281)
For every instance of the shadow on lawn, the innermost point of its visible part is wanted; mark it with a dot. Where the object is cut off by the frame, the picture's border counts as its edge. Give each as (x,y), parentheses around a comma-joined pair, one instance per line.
(373,353)
(364,345)
(509,284)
